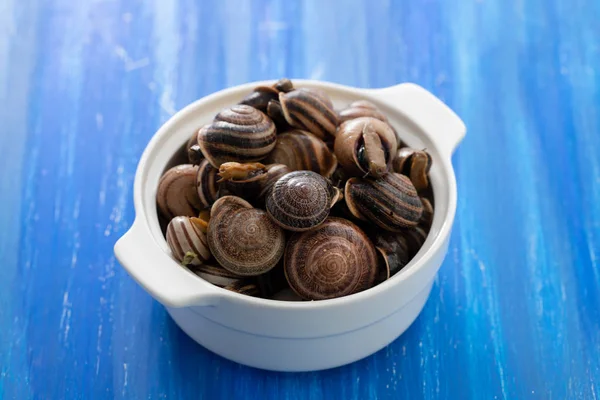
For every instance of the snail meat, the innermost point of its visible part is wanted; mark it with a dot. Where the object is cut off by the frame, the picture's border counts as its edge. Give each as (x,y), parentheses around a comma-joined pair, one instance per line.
(333,260)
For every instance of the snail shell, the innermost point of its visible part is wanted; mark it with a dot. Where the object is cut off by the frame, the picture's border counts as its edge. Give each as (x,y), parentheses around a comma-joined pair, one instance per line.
(393,248)
(310,110)
(301,150)
(301,200)
(244,286)
(365,146)
(177,195)
(391,202)
(187,241)
(415,238)
(415,164)
(272,282)
(427,216)
(242,180)
(194,153)
(274,172)
(243,239)
(216,275)
(206,184)
(333,260)
(361,108)
(286,294)
(240,133)
(261,95)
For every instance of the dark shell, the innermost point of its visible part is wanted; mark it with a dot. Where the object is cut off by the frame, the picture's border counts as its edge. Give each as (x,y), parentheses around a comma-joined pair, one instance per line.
(393,249)
(177,195)
(300,200)
(242,180)
(194,153)
(275,112)
(361,108)
(187,241)
(415,238)
(272,282)
(310,110)
(216,275)
(301,150)
(332,260)
(415,164)
(243,239)
(365,146)
(274,172)
(391,202)
(240,133)
(261,95)
(244,286)
(286,294)
(206,184)
(427,216)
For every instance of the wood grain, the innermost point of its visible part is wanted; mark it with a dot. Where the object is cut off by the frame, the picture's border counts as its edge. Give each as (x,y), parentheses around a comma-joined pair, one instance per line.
(515,311)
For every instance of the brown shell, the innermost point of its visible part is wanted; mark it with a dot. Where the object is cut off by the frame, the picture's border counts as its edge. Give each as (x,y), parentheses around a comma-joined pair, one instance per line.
(427,216)
(391,202)
(261,95)
(415,164)
(243,239)
(274,172)
(361,108)
(243,180)
(415,238)
(216,275)
(240,133)
(310,110)
(206,184)
(176,194)
(332,260)
(187,241)
(301,150)
(393,249)
(365,146)
(194,153)
(244,286)
(300,200)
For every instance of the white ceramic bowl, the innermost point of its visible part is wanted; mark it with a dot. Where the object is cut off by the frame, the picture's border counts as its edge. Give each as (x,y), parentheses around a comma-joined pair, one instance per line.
(295,336)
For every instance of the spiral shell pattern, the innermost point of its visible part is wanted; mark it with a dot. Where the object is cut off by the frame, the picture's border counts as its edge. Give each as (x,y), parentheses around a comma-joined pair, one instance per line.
(333,260)
(415,164)
(301,150)
(177,195)
(390,202)
(310,110)
(361,108)
(300,200)
(243,239)
(240,133)
(206,183)
(187,241)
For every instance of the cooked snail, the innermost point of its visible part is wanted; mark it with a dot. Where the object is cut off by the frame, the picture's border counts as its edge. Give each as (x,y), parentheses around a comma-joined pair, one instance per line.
(415,164)
(206,183)
(332,260)
(415,237)
(244,286)
(361,108)
(216,275)
(194,153)
(261,95)
(365,146)
(187,241)
(301,200)
(177,195)
(301,150)
(242,180)
(243,239)
(391,202)
(240,133)
(286,294)
(394,252)
(427,216)
(310,110)
(274,172)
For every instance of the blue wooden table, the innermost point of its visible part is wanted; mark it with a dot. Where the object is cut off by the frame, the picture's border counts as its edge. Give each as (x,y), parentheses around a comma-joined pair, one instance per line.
(515,311)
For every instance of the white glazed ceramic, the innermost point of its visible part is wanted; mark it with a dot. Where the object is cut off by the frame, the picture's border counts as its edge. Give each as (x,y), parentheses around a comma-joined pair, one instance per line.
(295,336)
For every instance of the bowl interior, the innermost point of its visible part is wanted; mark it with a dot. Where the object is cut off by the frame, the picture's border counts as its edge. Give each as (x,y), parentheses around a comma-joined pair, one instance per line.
(166,149)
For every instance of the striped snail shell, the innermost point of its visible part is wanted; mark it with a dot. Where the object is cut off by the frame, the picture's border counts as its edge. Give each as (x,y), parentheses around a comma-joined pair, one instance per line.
(261,95)
(187,241)
(206,184)
(310,110)
(415,238)
(244,286)
(393,249)
(240,133)
(274,172)
(365,146)
(243,239)
(194,153)
(391,202)
(361,108)
(415,164)
(242,180)
(332,260)
(301,150)
(177,195)
(216,275)
(301,200)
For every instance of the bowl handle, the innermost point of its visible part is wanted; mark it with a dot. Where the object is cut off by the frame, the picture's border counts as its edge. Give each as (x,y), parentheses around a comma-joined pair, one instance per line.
(426,111)
(158,273)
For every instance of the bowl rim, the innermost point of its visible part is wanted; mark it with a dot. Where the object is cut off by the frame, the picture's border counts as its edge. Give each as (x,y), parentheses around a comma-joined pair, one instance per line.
(382,97)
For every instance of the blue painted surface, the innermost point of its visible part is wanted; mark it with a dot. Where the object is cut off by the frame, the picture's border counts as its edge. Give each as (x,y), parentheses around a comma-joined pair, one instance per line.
(515,312)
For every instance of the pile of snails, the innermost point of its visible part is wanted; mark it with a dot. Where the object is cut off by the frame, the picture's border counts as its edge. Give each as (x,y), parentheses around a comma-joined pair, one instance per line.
(284,197)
